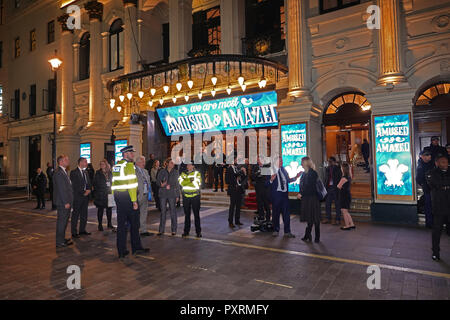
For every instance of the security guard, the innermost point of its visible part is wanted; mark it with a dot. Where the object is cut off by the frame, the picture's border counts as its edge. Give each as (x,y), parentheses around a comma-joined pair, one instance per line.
(124,188)
(190,183)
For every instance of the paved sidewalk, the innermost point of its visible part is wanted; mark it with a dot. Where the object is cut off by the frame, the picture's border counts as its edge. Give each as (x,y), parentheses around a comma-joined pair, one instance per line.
(224,264)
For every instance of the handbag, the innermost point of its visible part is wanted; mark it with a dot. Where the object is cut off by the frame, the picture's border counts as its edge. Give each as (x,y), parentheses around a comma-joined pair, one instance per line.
(321,190)
(149,193)
(111,201)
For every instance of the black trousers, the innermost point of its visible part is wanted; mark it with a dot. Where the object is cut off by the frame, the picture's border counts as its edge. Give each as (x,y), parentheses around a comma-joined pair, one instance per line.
(126,216)
(234,212)
(218,176)
(262,199)
(40,199)
(80,212)
(108,215)
(194,204)
(308,230)
(438,225)
(155,190)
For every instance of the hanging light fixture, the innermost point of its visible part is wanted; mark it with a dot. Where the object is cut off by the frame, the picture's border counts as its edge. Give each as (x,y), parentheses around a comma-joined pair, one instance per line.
(179,86)
(119,108)
(229,90)
(190,83)
(186,97)
(214,80)
(161,101)
(241,80)
(112,103)
(200,95)
(129,95)
(152,91)
(174,99)
(166,88)
(243,87)
(213,92)
(121,98)
(150,103)
(141,94)
(262,83)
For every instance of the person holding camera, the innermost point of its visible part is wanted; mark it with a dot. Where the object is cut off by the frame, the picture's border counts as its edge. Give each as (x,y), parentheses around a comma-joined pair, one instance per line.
(262,191)
(237,181)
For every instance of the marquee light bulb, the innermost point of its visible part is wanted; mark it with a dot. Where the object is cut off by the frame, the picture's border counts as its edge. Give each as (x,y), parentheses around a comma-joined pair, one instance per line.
(150,103)
(141,94)
(241,80)
(119,108)
(229,90)
(213,92)
(174,99)
(121,98)
(129,95)
(214,80)
(179,86)
(166,88)
(262,83)
(200,95)
(244,86)
(190,83)
(112,103)
(161,101)
(186,97)
(152,91)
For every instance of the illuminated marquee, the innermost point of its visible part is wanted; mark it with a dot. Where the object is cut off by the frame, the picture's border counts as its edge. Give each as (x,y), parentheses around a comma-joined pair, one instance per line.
(85,151)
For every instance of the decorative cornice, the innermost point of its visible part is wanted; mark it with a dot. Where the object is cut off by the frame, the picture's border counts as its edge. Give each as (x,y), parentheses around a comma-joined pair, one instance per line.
(63,22)
(127,3)
(94,9)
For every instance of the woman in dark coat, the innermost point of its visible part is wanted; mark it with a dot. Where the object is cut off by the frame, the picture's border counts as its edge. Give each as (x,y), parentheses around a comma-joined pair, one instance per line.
(345,196)
(310,206)
(39,185)
(102,187)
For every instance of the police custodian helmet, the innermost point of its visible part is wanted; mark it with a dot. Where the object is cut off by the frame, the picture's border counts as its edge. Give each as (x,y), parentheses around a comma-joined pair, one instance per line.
(128,149)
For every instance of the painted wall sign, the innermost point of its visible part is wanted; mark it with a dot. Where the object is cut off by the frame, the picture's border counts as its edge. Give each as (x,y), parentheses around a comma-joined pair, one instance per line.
(118,145)
(242,112)
(293,149)
(393,157)
(85,151)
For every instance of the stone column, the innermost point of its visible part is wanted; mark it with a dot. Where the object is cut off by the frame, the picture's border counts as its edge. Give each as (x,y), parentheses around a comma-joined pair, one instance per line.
(130,40)
(180,33)
(96,103)
(66,75)
(105,51)
(232,21)
(389,43)
(24,145)
(76,61)
(297,36)
(132,133)
(12,160)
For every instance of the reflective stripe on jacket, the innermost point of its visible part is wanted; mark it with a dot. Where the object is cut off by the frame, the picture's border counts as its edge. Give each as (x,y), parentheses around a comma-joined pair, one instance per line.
(190,183)
(124,178)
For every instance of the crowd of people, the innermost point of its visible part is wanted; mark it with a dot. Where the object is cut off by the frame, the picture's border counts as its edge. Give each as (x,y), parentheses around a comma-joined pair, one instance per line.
(131,183)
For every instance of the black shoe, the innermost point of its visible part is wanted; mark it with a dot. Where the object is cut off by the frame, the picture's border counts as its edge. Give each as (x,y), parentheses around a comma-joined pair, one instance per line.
(84,233)
(113,229)
(346,228)
(184,235)
(75,235)
(100,227)
(43,207)
(436,257)
(231,225)
(199,235)
(159,234)
(215,190)
(62,245)
(142,251)
(68,242)
(353,227)
(306,239)
(239,224)
(37,208)
(174,234)
(121,256)
(316,240)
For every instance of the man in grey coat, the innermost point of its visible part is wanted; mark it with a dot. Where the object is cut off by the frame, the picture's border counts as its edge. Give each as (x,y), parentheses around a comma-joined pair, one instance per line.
(63,199)
(142,196)
(169,192)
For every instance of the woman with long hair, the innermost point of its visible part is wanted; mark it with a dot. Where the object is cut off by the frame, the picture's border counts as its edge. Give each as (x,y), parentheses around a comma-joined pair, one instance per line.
(345,196)
(310,206)
(102,187)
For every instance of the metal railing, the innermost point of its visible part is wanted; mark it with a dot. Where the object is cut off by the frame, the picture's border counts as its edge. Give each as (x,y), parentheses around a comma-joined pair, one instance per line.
(12,188)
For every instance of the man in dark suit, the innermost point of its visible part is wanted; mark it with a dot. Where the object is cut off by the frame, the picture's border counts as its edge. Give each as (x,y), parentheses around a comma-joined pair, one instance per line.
(333,175)
(365,150)
(262,191)
(82,187)
(63,199)
(237,181)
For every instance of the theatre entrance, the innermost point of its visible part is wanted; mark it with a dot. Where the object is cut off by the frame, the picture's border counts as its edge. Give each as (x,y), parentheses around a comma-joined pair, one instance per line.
(346,127)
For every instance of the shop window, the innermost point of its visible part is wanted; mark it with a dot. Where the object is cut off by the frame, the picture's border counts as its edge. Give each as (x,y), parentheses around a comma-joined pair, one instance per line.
(116,45)
(84,56)
(51,31)
(33,40)
(32,100)
(206,32)
(17,47)
(432,92)
(265,25)
(333,5)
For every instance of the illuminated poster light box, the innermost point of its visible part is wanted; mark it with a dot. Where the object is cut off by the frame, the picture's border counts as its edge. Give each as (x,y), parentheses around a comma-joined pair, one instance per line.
(394,174)
(293,149)
(119,145)
(85,151)
(241,112)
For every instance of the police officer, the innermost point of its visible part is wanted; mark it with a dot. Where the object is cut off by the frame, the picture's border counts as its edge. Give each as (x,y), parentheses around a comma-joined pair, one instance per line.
(424,166)
(190,183)
(124,188)
(439,182)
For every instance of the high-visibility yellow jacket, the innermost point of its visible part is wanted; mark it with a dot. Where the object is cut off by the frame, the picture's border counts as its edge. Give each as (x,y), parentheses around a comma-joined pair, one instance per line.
(190,183)
(124,178)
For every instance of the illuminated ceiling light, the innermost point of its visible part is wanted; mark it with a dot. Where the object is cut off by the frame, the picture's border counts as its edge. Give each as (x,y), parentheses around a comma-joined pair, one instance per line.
(166,88)
(241,80)
(366,108)
(119,108)
(243,87)
(262,83)
(150,103)
(129,95)
(112,103)
(190,83)
(161,101)
(141,94)
(174,99)
(214,80)
(179,86)
(121,98)
(200,95)
(213,92)
(186,97)
(229,90)
(152,91)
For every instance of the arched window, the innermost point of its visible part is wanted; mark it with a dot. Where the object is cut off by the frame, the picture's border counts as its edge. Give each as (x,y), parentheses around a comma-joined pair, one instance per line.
(429,94)
(116,45)
(84,56)
(347,108)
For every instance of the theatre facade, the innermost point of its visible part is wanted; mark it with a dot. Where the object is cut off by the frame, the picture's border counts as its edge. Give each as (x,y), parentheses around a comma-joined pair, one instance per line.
(320,77)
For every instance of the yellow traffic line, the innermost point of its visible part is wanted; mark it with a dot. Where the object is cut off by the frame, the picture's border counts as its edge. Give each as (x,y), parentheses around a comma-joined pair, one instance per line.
(291,252)
(274,284)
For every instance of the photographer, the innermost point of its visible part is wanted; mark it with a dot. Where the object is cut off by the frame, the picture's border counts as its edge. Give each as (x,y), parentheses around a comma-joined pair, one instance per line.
(237,182)
(262,190)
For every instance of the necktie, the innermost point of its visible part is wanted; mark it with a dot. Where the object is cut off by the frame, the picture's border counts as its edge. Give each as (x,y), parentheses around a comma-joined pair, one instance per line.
(85,180)
(281,181)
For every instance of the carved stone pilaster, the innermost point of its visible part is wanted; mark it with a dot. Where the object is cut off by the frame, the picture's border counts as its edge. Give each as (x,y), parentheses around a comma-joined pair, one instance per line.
(95,10)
